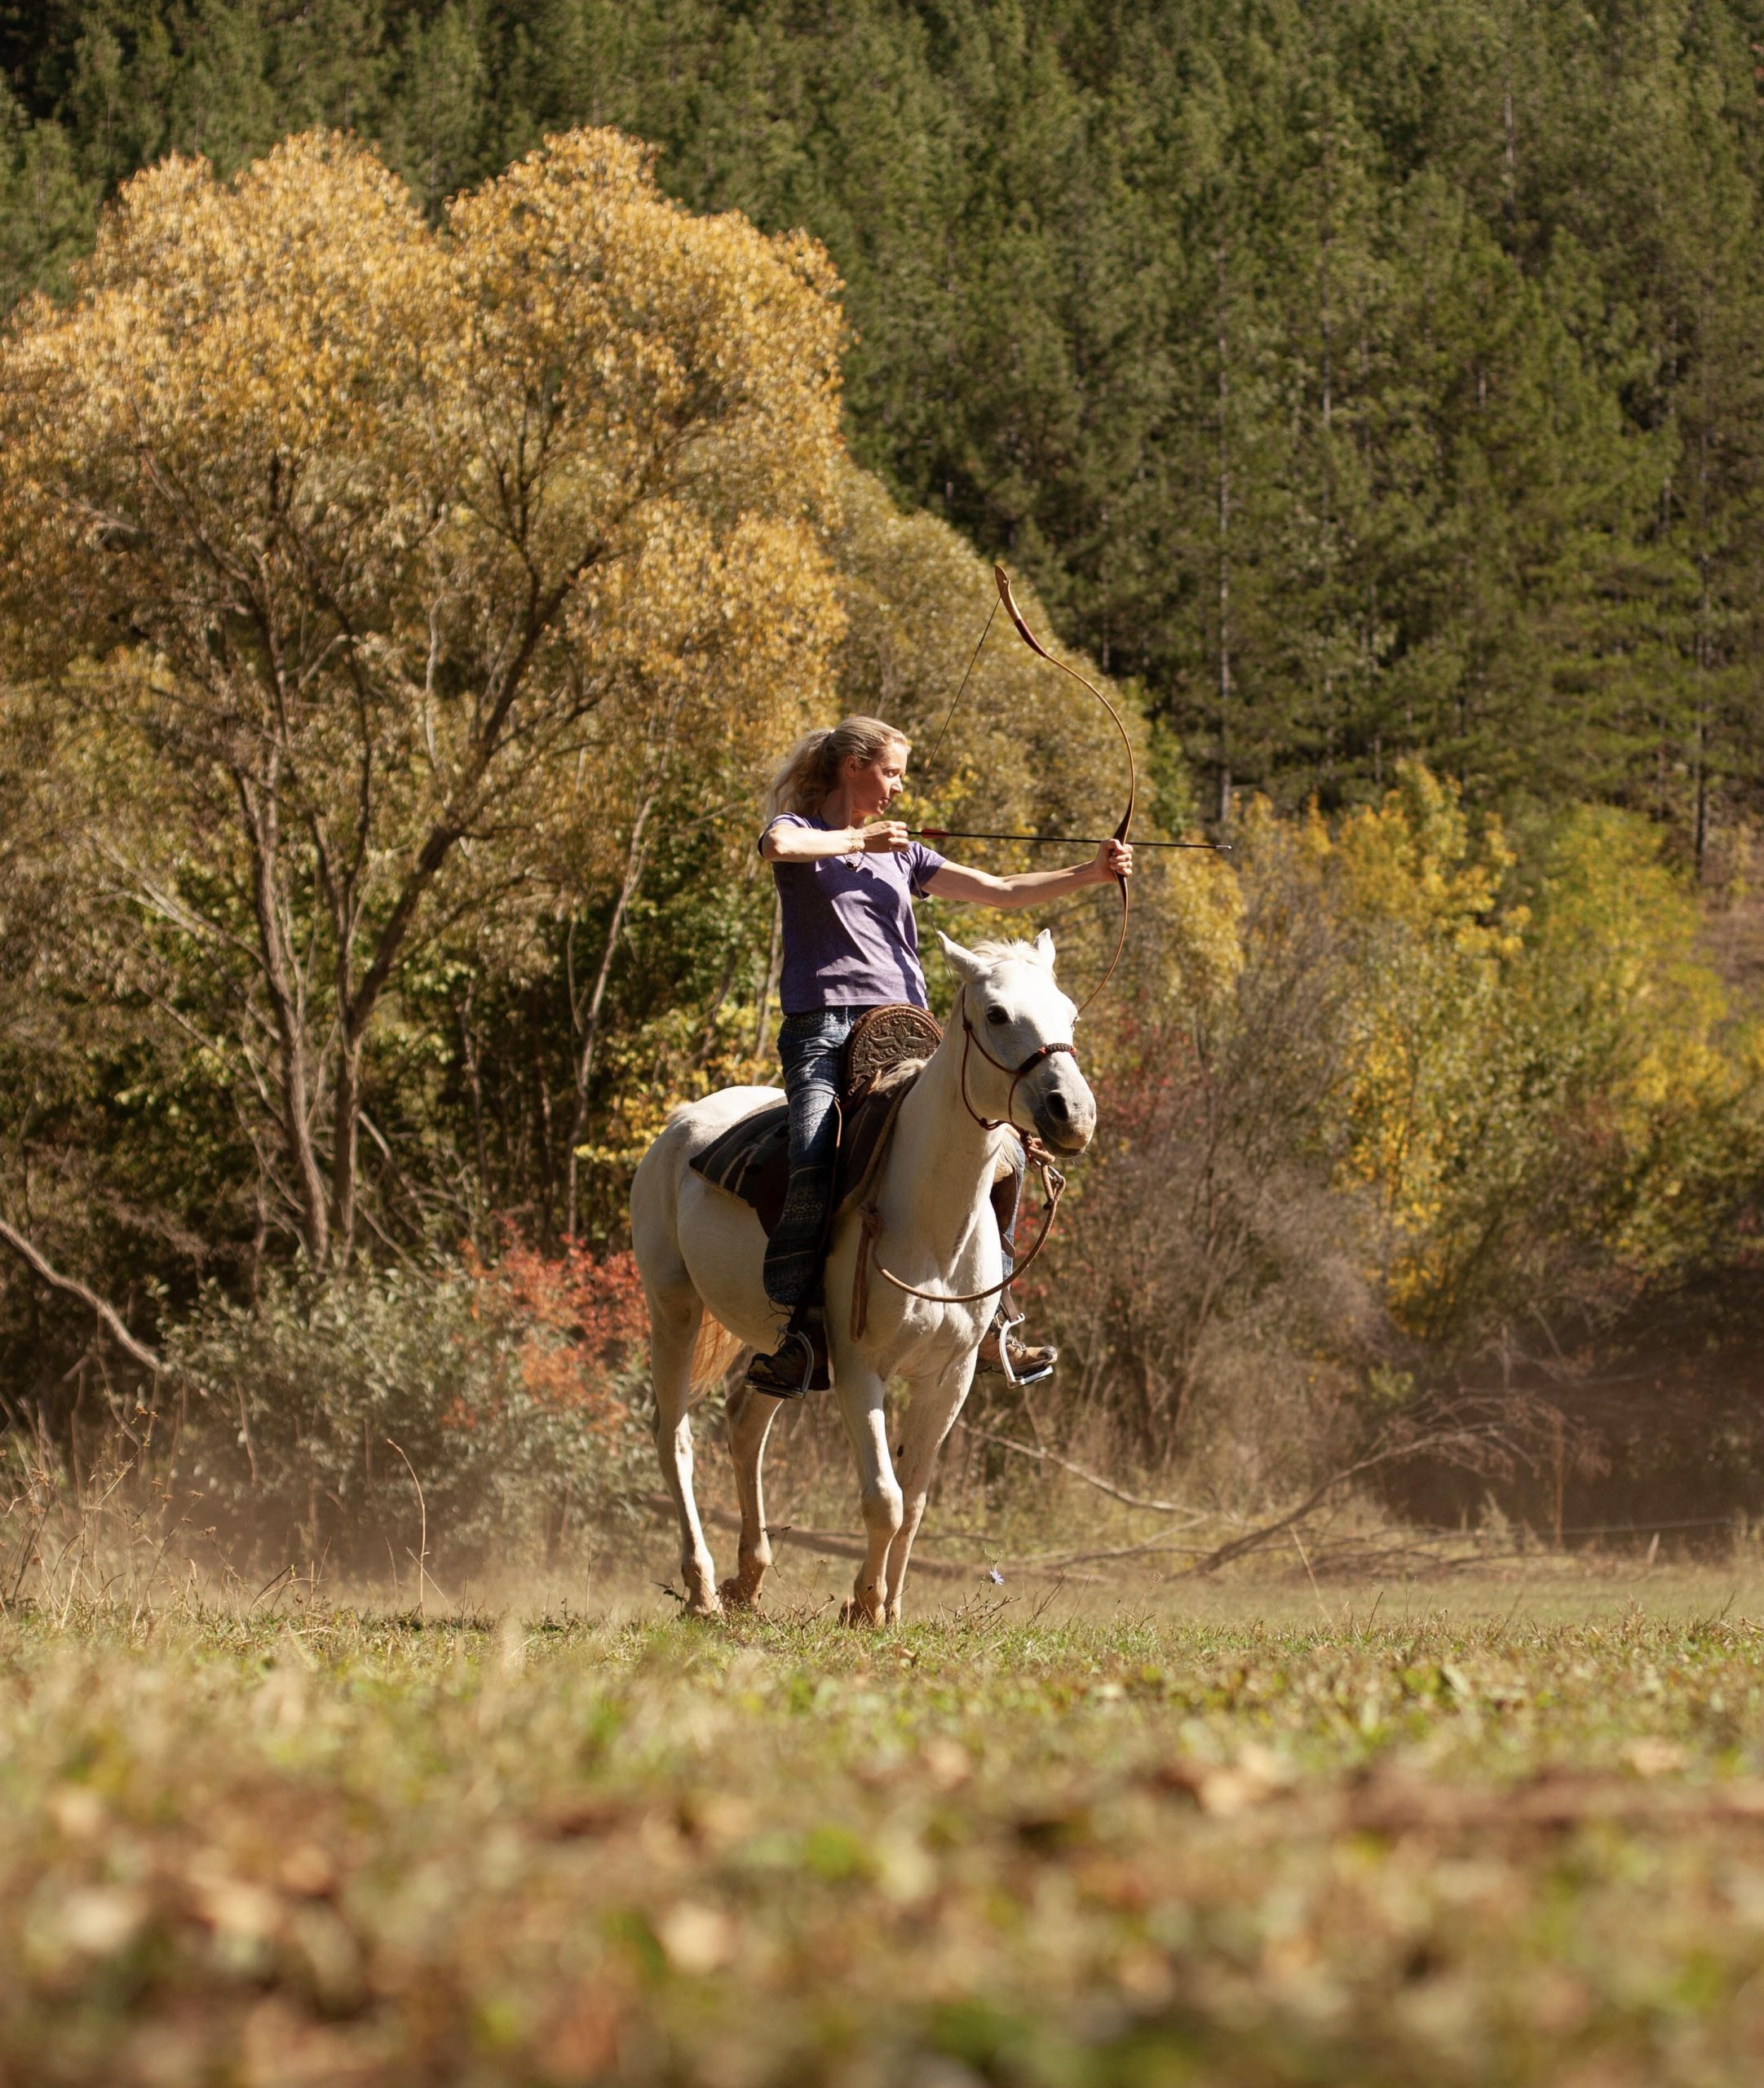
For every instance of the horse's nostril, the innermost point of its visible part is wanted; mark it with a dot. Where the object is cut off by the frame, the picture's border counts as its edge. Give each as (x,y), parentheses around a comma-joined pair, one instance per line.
(1056,1107)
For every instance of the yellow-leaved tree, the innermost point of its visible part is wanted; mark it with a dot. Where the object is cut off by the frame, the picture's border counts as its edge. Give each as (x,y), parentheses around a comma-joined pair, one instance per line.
(400,567)
(1547,1096)
(1421,889)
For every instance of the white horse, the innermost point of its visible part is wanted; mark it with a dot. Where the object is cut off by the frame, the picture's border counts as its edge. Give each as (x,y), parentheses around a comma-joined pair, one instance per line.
(1005,1057)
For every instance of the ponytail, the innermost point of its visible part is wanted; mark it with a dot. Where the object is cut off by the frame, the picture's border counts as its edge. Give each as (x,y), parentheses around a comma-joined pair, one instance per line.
(813,765)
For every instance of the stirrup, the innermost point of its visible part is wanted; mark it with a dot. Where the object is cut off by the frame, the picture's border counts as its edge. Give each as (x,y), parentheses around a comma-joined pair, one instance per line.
(1003,1327)
(1002,1330)
(773,1373)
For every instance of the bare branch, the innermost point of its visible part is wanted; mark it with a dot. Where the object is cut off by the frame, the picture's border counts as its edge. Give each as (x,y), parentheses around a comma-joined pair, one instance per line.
(1090,1478)
(45,1270)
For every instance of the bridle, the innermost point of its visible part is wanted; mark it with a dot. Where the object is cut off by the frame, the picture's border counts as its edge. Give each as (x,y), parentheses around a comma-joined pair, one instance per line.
(1035,1058)
(1053,1184)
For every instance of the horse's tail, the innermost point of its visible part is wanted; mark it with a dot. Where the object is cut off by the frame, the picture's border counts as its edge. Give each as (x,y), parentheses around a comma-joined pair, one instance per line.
(715,1350)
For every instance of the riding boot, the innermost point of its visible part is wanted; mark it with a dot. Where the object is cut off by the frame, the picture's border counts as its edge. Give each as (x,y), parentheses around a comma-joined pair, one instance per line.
(798,1365)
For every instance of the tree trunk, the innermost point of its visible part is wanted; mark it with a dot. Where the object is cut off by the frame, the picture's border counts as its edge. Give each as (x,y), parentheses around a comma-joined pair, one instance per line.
(586,1021)
(287,1003)
(1705,647)
(346,1131)
(468,1050)
(1222,809)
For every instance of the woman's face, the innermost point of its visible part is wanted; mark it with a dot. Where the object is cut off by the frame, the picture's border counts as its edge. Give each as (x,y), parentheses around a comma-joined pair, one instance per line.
(871,786)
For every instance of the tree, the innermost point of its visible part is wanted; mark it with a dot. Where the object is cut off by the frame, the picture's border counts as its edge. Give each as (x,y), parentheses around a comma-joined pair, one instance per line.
(44,207)
(374,533)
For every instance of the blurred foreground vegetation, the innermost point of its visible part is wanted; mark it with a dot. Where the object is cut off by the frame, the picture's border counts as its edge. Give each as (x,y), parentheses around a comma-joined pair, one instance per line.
(1011,1845)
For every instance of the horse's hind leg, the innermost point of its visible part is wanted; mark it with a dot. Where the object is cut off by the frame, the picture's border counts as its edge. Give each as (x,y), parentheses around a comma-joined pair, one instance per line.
(673,1323)
(751,1415)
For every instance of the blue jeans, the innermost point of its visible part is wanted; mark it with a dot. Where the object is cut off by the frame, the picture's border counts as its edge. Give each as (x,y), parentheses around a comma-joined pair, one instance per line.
(810,1046)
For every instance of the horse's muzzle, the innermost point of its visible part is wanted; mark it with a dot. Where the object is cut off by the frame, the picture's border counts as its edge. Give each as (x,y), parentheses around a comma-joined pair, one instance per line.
(1062,1106)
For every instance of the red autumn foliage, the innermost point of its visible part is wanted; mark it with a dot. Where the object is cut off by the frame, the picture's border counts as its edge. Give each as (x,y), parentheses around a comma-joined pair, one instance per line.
(580,1319)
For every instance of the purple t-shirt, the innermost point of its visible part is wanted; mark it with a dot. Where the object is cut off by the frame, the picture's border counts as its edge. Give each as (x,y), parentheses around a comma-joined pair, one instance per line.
(849,940)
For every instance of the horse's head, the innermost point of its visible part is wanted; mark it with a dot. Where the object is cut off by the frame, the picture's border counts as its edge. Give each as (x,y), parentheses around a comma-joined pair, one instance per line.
(1019,1066)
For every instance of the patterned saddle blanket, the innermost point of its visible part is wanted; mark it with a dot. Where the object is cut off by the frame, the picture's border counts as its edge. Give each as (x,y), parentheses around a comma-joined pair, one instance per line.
(751,1159)
(883,1056)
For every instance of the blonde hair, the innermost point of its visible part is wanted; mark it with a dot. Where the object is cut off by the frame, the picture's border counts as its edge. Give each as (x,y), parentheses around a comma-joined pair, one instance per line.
(814,765)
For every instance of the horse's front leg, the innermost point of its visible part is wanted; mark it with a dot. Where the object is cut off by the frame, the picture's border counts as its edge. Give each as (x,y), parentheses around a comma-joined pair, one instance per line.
(931,1414)
(751,1415)
(861,1395)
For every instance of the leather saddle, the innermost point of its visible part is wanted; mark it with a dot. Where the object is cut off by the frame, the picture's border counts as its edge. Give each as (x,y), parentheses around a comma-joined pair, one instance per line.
(882,1058)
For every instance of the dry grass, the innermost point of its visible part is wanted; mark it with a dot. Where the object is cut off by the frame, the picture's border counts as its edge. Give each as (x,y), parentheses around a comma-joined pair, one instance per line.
(1239,1834)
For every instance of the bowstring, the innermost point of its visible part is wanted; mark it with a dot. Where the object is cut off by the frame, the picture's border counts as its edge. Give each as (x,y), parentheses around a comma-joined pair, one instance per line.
(930,765)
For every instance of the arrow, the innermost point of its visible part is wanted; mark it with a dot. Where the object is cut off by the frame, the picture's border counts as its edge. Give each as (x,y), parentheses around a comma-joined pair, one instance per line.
(1058,840)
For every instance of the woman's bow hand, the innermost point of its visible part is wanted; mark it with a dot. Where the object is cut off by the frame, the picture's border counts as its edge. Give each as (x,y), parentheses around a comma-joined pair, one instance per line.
(1113,862)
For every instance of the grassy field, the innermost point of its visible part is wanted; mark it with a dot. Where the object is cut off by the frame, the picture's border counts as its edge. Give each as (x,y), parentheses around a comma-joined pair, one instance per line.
(1510,1834)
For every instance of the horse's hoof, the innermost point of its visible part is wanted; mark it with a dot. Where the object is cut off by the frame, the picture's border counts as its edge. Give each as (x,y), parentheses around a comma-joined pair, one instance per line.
(736,1594)
(855,1613)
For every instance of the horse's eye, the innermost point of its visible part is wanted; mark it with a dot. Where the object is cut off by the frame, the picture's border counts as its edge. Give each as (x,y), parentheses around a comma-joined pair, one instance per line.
(996,1017)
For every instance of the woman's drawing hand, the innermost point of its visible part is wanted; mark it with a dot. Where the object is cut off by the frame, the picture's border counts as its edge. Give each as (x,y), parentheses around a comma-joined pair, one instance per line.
(884,837)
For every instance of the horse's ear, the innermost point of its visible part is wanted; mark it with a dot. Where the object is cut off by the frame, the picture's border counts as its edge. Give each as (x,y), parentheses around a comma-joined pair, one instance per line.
(1044,949)
(963,962)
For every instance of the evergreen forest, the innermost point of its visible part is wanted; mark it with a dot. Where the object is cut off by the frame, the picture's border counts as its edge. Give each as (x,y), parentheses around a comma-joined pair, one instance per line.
(1366,381)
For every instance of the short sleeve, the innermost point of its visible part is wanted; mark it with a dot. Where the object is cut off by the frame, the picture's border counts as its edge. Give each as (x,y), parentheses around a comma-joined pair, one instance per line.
(781,819)
(922,866)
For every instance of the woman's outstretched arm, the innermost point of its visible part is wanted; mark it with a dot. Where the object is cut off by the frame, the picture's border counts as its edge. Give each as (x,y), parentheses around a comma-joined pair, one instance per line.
(1113,860)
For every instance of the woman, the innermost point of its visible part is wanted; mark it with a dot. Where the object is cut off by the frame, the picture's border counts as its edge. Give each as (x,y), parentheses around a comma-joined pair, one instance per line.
(847,876)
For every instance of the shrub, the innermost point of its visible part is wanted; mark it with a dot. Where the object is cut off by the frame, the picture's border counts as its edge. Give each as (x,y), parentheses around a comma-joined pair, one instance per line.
(1421,1124)
(506,1394)
(1212,1290)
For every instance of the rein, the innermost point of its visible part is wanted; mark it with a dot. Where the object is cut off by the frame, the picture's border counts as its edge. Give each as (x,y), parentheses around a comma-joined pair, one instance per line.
(1053,1188)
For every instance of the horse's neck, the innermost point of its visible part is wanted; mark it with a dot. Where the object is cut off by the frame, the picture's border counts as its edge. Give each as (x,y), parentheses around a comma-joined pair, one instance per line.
(942,1159)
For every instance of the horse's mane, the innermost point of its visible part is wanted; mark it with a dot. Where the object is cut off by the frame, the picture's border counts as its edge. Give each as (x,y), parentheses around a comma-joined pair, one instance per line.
(996,952)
